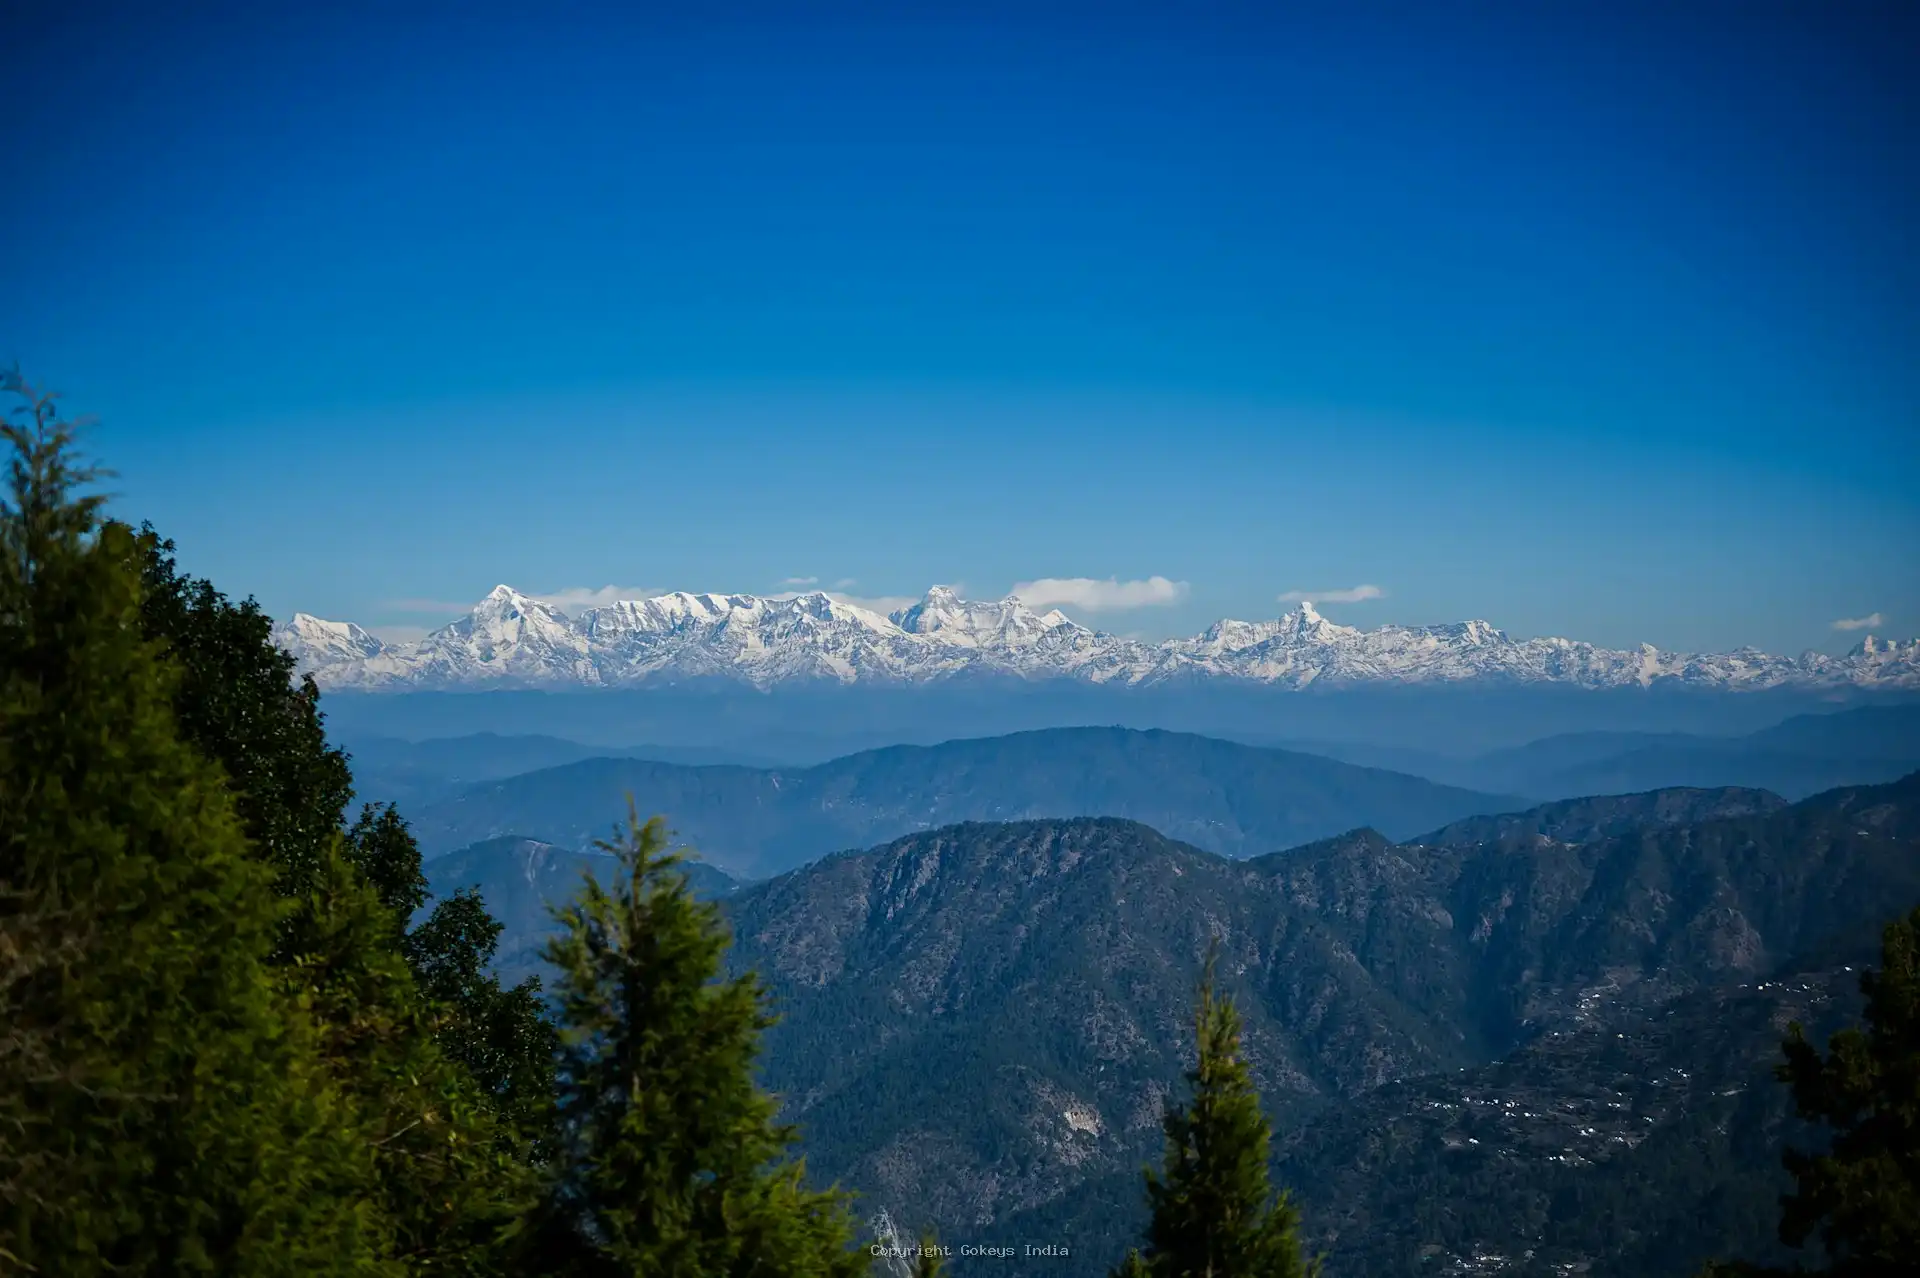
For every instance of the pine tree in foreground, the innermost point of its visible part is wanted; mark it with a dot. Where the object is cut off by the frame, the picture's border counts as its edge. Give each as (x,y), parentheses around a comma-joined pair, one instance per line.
(671,1164)
(1215,1214)
(1862,1197)
(164,1108)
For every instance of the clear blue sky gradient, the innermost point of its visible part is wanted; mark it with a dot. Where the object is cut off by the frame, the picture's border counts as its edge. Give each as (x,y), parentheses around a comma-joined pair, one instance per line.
(1599,320)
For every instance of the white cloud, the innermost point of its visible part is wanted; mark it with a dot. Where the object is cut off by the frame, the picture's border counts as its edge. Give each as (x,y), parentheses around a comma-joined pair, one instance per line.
(427,605)
(1090,594)
(399,634)
(882,604)
(1353,594)
(1867,622)
(584,597)
(566,600)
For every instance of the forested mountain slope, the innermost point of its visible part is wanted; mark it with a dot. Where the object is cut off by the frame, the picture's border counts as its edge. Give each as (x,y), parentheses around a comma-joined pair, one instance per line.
(980,1023)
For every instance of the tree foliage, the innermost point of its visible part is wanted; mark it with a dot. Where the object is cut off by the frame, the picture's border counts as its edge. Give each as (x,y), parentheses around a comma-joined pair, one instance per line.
(1861,1198)
(449,1187)
(165,1107)
(176,817)
(931,1262)
(237,701)
(1214,1211)
(500,1035)
(671,1164)
(384,853)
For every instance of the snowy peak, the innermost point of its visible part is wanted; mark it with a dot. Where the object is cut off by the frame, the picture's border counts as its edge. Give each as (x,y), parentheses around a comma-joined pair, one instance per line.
(1306,624)
(510,639)
(339,640)
(821,606)
(504,603)
(1878,652)
(939,609)
(944,616)
(941,596)
(507,617)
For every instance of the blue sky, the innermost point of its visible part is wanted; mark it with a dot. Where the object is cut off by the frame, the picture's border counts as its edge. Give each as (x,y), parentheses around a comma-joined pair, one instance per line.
(1594,320)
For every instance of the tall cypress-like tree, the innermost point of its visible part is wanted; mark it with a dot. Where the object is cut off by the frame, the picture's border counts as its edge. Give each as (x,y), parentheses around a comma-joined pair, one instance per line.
(166,1108)
(1215,1214)
(238,703)
(1861,1198)
(453,1080)
(672,1165)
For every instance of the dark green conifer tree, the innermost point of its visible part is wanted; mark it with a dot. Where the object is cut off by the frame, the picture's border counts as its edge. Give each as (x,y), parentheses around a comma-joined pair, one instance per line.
(449,1187)
(165,1108)
(671,1163)
(1215,1214)
(385,855)
(501,1036)
(238,703)
(1861,1198)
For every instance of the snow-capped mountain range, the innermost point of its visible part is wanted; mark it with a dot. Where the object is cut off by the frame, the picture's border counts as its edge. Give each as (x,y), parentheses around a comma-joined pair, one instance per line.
(512,641)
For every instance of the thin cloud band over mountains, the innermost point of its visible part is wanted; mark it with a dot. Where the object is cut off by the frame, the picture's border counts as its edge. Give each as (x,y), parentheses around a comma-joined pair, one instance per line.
(511,640)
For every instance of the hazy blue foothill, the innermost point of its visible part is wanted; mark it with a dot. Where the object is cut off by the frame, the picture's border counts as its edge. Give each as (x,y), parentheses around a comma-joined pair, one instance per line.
(1797,757)
(1235,799)
(801,725)
(392,770)
(1217,794)
(523,880)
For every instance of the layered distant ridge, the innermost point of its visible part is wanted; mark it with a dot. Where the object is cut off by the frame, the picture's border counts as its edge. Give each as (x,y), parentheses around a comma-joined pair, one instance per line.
(511,640)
